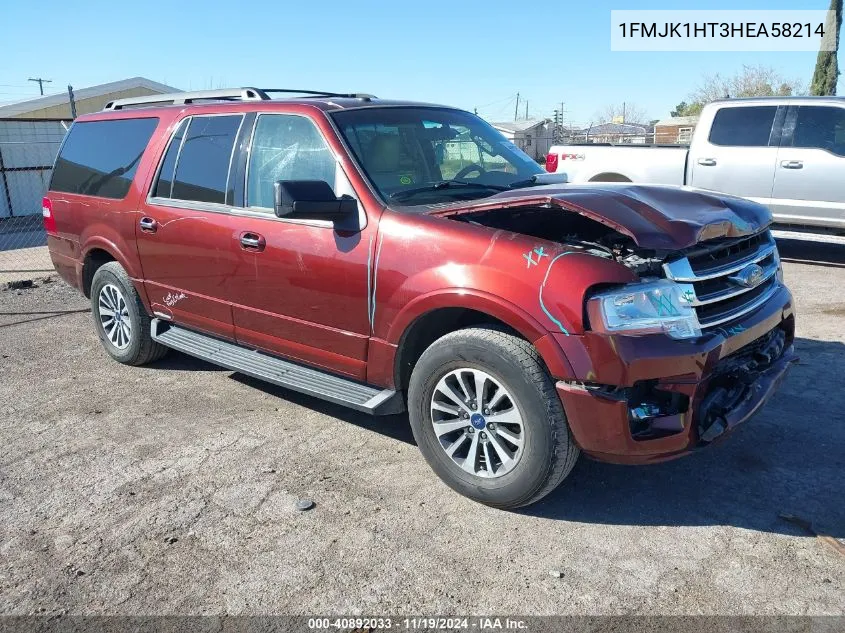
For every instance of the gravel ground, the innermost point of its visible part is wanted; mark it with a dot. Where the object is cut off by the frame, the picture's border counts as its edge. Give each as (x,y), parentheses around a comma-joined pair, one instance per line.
(171,489)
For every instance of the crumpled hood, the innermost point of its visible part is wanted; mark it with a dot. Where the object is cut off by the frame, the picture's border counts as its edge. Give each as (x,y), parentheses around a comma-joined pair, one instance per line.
(659,217)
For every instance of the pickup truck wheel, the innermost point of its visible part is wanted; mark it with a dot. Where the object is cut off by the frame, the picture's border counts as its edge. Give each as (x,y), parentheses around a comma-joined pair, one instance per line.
(487,418)
(122,323)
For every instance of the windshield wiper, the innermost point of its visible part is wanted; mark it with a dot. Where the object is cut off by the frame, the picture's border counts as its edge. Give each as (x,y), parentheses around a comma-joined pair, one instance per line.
(444,184)
(539,179)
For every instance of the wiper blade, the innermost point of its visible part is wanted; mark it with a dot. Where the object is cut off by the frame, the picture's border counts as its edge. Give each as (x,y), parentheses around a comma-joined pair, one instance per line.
(539,179)
(444,184)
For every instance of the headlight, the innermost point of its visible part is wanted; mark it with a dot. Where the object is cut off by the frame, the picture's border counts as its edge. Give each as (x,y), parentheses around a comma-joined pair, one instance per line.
(646,308)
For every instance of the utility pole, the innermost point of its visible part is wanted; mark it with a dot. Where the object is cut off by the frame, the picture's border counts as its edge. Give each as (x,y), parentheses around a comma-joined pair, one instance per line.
(557,131)
(516,109)
(72,101)
(41,83)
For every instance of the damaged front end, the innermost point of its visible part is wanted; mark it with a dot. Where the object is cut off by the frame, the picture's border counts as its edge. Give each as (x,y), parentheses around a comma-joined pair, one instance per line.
(739,384)
(659,418)
(683,292)
(689,349)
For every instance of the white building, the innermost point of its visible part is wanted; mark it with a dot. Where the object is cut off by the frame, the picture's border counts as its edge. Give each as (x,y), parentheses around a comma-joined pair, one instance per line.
(533,136)
(31,132)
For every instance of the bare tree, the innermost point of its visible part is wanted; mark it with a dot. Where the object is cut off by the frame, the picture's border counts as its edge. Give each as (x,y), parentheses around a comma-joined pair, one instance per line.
(627,111)
(751,81)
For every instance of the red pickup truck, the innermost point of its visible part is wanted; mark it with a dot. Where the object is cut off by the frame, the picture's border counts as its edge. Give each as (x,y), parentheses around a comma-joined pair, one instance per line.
(388,255)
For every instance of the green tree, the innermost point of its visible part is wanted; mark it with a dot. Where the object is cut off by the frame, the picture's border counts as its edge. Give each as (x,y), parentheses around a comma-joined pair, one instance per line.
(827,66)
(687,109)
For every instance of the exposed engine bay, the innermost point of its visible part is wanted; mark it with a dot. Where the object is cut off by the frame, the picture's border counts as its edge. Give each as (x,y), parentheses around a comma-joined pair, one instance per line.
(572,229)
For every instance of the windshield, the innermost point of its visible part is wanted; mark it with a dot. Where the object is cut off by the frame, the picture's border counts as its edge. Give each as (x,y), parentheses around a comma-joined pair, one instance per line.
(418,155)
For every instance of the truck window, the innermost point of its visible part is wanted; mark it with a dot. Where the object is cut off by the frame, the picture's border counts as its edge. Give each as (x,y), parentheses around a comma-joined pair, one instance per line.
(164,186)
(200,169)
(743,126)
(285,147)
(820,127)
(100,158)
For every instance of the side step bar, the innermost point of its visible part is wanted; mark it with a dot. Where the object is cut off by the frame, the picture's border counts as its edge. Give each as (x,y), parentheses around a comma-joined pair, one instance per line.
(280,372)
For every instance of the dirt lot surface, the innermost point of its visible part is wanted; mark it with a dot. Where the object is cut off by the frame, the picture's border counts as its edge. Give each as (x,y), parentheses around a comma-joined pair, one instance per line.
(171,489)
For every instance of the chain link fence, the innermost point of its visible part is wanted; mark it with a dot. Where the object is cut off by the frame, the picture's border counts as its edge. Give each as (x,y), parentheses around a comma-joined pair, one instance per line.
(27,152)
(538,146)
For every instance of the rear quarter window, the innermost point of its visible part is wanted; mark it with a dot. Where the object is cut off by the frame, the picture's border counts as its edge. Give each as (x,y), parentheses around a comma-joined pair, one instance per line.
(100,158)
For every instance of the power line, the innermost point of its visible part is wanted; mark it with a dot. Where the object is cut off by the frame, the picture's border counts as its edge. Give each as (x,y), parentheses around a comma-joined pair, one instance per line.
(508,98)
(492,115)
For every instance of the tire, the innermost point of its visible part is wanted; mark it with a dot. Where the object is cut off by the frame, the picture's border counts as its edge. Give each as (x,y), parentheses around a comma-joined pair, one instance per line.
(548,452)
(134,345)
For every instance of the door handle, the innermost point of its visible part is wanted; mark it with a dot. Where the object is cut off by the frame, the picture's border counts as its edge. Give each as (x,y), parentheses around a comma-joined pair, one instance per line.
(252,241)
(148,225)
(707,162)
(792,164)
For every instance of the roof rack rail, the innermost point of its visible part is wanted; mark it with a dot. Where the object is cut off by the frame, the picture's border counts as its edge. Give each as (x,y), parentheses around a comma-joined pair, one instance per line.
(226,94)
(177,98)
(321,93)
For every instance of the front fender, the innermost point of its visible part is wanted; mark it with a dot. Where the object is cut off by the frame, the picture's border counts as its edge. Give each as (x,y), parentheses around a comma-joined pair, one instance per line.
(509,314)
(495,306)
(438,261)
(534,286)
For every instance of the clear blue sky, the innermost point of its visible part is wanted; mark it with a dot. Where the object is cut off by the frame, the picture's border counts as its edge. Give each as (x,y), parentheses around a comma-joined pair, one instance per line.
(469,54)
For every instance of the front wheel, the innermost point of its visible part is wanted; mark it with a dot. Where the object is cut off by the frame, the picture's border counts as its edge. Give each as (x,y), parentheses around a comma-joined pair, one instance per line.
(487,418)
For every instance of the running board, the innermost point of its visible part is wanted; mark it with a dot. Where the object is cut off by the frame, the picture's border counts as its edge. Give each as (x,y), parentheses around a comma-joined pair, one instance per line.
(313,382)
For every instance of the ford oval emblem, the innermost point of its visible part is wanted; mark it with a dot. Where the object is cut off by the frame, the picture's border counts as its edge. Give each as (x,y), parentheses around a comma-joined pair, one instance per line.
(748,277)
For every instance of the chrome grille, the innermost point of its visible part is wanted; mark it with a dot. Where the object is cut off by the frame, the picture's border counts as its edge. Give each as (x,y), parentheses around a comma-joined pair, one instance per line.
(716,272)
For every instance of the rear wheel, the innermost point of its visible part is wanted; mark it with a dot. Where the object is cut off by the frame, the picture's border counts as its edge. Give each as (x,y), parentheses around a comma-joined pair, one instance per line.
(487,418)
(120,319)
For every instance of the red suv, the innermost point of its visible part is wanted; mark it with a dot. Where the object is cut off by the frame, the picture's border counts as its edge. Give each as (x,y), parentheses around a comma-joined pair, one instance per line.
(389,255)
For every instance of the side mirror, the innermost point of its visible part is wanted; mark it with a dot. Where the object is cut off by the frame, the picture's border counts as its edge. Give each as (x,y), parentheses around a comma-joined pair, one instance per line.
(310,199)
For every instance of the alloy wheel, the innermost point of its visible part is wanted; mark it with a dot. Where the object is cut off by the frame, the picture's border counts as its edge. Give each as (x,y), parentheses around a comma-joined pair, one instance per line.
(477,422)
(114,316)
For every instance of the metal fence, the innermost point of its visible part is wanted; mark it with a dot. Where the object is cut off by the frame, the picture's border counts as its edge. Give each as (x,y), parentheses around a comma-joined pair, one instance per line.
(25,169)
(538,146)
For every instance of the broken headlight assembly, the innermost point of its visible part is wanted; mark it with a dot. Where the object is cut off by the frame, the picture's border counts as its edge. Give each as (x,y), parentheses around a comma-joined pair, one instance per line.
(646,308)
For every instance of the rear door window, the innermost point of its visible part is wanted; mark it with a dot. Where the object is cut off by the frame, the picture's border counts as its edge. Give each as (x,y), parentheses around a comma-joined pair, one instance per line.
(743,126)
(197,163)
(100,158)
(820,127)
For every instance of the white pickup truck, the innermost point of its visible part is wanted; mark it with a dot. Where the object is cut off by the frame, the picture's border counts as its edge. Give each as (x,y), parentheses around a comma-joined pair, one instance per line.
(785,152)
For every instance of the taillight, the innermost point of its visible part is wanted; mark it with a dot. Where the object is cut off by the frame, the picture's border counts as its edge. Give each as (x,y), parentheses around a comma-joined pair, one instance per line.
(551,163)
(47,212)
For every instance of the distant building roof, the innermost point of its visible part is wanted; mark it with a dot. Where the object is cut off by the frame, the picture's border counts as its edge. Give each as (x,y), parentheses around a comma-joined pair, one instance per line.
(678,120)
(519,126)
(39,103)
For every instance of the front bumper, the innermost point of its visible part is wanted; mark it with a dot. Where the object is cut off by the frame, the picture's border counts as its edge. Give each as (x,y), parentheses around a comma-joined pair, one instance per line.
(716,401)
